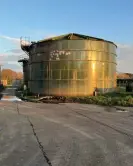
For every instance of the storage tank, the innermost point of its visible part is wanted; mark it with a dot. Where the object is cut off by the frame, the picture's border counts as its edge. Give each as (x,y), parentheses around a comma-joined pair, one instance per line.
(72,65)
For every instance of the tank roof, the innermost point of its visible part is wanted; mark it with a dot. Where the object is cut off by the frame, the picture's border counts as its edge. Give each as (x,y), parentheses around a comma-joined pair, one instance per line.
(73,36)
(23,60)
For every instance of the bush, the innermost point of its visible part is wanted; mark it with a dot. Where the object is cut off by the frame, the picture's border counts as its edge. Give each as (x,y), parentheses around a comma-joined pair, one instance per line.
(103,100)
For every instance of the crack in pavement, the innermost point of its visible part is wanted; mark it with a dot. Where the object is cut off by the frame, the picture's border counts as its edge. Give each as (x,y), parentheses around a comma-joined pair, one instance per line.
(37,139)
(39,143)
(17,107)
(1,129)
(99,122)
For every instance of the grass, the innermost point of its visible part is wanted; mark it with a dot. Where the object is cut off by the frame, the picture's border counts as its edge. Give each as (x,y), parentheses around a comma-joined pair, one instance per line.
(109,99)
(118,98)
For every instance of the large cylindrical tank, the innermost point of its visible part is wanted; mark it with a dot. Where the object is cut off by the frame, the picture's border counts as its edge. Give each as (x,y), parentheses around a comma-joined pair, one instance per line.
(72,67)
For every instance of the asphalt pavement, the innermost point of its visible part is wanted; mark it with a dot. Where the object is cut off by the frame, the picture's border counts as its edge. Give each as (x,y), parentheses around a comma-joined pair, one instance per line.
(37,134)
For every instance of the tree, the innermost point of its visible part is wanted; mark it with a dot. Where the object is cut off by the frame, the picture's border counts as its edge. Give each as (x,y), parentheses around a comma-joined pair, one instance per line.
(10,75)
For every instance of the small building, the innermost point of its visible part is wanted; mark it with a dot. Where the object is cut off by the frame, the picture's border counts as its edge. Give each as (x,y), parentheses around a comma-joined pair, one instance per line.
(17,82)
(124,79)
(25,63)
(70,65)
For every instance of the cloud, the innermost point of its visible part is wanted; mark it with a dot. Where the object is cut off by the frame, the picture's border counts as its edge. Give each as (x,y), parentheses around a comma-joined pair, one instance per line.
(10,38)
(17,51)
(125,58)
(14,40)
(11,62)
(17,41)
(9,58)
(15,66)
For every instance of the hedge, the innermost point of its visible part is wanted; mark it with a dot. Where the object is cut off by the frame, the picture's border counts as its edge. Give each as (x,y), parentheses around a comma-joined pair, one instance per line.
(103,100)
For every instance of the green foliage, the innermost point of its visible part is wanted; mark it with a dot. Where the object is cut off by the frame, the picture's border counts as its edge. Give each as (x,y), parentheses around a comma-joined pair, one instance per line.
(104,100)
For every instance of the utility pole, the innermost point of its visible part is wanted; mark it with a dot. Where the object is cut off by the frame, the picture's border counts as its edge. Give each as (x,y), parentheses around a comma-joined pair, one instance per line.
(0,74)
(103,75)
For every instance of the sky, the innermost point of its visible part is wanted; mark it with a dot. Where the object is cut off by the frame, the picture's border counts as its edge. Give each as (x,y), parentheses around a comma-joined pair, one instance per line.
(108,19)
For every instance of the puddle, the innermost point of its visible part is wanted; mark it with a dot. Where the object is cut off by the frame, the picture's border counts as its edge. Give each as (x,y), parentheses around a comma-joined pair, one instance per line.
(9,95)
(10,98)
(115,109)
(110,109)
(122,111)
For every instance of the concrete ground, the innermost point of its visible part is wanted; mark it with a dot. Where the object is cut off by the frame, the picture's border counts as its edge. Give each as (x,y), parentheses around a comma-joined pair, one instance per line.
(35,134)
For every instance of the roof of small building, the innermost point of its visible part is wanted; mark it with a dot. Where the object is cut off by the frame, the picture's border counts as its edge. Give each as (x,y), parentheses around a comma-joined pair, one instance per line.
(124,75)
(23,60)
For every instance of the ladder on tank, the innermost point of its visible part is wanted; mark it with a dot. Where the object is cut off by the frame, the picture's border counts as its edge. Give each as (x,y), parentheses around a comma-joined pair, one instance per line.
(25,44)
